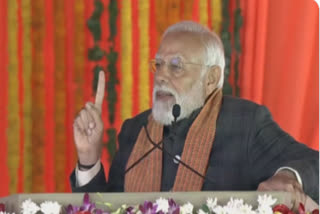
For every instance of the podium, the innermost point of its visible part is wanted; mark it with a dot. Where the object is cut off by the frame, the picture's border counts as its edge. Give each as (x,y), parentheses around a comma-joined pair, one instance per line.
(13,202)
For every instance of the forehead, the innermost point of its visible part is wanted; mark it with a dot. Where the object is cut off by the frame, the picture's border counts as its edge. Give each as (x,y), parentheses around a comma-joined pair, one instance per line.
(185,44)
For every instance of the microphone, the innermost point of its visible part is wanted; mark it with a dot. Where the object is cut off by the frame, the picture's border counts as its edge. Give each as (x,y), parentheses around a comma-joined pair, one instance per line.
(176,113)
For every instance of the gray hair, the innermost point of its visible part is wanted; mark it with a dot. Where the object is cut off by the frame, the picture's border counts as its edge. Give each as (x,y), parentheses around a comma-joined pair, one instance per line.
(212,43)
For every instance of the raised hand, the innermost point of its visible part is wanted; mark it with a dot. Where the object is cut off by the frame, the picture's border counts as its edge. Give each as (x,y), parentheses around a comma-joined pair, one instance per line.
(88,127)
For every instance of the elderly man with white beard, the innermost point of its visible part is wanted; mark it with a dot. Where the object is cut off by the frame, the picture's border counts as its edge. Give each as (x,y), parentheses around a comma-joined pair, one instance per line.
(216,142)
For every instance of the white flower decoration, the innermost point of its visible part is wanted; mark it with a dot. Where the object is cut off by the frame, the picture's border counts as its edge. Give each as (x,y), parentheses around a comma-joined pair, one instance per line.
(266,200)
(220,210)
(49,207)
(29,207)
(163,205)
(186,208)
(211,203)
(246,209)
(202,212)
(234,206)
(265,204)
(264,210)
(235,203)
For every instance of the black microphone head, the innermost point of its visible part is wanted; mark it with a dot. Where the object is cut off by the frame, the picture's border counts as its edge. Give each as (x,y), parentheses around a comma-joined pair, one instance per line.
(176,111)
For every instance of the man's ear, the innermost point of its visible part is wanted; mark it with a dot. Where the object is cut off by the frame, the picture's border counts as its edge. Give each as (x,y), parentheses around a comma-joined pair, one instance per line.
(213,77)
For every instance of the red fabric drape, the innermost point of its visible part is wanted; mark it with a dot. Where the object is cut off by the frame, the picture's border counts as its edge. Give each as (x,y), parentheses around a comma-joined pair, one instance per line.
(4,178)
(280,63)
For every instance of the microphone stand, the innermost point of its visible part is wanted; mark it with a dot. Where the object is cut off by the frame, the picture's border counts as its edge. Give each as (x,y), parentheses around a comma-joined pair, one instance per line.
(176,114)
(143,156)
(172,156)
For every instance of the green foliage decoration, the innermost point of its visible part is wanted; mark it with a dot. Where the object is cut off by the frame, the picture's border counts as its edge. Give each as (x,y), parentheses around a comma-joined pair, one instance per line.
(231,46)
(238,21)
(226,40)
(96,54)
(94,21)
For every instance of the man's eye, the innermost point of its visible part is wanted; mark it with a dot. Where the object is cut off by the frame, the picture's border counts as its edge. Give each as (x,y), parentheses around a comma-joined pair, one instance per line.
(158,65)
(175,67)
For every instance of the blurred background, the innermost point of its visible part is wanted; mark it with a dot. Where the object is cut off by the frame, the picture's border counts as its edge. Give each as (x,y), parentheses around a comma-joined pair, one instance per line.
(51,50)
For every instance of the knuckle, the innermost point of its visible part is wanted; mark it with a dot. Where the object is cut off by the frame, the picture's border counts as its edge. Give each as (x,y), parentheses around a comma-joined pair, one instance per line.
(78,115)
(88,106)
(262,186)
(82,112)
(77,120)
(94,109)
(289,187)
(96,114)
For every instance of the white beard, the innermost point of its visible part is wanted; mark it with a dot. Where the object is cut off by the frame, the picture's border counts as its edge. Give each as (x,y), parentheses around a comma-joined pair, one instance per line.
(190,101)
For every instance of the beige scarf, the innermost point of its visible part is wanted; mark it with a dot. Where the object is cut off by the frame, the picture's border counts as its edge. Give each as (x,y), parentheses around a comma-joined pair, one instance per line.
(146,176)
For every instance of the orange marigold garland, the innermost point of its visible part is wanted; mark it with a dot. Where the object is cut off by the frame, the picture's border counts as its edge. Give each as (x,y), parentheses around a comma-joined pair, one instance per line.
(37,97)
(60,97)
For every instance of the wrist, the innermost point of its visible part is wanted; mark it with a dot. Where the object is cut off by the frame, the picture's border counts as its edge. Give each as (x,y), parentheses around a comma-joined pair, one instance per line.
(292,170)
(289,175)
(88,158)
(286,172)
(85,167)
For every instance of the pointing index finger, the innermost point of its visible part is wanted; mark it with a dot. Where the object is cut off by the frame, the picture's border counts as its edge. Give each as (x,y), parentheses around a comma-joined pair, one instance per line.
(100,91)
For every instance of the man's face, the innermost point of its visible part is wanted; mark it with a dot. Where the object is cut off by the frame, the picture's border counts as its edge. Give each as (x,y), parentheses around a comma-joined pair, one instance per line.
(182,86)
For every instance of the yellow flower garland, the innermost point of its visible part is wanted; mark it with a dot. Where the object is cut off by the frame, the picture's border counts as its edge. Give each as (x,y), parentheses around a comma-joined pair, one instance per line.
(203,12)
(144,85)
(126,60)
(27,105)
(216,8)
(13,102)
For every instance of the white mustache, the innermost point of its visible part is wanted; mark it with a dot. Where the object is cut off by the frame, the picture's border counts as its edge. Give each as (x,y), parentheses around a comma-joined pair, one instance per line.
(165,89)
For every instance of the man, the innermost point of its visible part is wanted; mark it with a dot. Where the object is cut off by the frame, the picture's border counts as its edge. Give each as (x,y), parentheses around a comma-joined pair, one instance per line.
(217,143)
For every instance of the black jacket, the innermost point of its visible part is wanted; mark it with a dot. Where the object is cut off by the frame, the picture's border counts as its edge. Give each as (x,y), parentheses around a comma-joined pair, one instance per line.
(249,147)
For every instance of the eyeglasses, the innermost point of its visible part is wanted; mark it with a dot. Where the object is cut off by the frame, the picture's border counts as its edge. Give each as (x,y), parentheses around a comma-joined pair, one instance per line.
(175,65)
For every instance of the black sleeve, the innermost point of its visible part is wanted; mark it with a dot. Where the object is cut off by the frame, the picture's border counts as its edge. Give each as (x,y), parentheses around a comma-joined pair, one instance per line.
(272,148)
(116,174)
(97,184)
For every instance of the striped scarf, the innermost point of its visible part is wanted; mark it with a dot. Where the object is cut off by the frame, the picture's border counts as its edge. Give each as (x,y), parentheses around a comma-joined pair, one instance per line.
(146,176)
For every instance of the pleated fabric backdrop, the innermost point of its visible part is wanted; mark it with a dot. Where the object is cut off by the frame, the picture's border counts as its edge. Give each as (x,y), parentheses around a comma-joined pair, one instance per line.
(279,66)
(46,77)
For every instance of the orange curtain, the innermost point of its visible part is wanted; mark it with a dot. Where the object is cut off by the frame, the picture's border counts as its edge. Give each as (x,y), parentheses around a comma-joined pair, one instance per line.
(280,63)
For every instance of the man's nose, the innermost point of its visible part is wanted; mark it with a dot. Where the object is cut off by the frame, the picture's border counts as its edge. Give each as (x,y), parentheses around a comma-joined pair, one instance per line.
(162,75)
